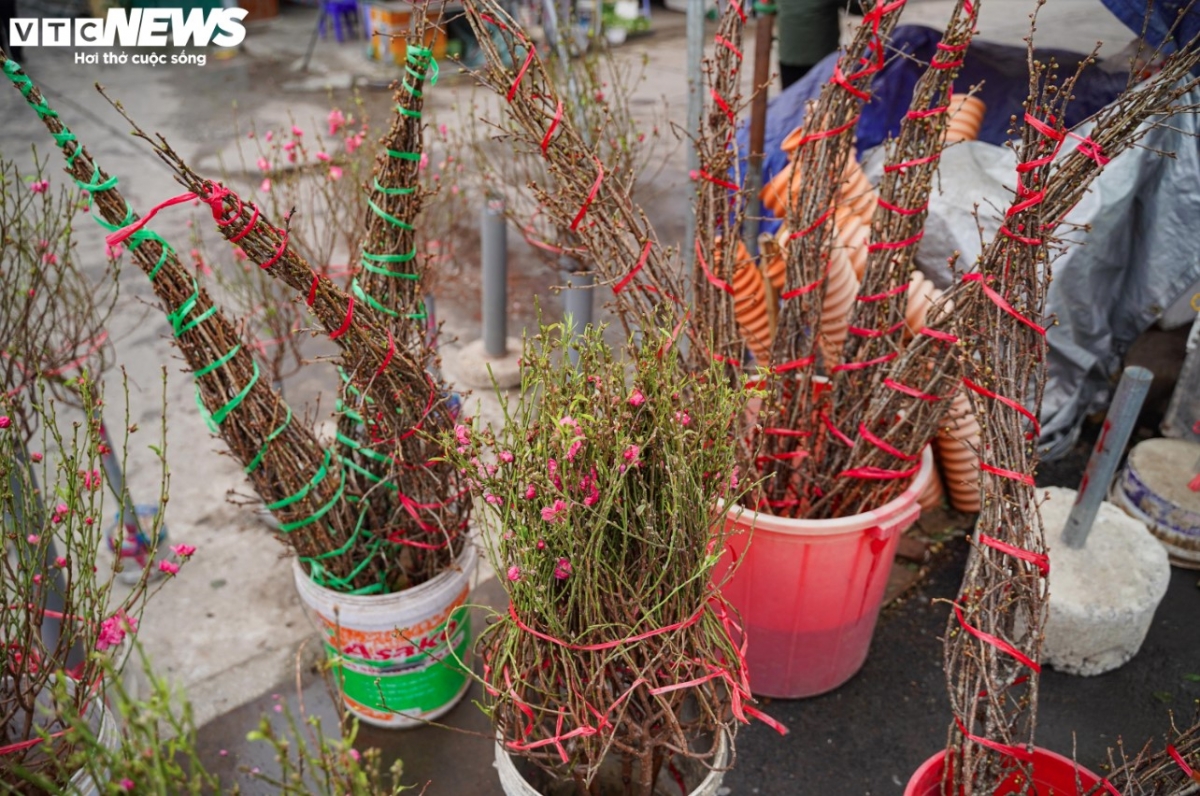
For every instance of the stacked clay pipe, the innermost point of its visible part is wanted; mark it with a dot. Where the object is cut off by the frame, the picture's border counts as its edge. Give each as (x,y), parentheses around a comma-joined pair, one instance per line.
(957,444)
(750,308)
(966,118)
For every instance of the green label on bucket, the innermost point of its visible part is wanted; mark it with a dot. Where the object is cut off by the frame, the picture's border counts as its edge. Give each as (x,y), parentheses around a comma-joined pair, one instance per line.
(419,676)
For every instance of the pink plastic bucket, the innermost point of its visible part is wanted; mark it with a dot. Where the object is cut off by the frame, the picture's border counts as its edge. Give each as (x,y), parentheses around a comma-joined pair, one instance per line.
(1053,775)
(809,591)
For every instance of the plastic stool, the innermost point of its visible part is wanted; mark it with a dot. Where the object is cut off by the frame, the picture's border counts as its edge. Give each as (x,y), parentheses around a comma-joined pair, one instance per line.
(340,11)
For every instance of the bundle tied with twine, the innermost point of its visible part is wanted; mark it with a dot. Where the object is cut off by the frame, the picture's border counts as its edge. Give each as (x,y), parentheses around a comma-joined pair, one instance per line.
(994,632)
(284,462)
(390,280)
(407,404)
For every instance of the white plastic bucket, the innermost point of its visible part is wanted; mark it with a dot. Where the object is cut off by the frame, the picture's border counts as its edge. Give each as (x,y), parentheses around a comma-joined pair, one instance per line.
(100,720)
(391,653)
(609,775)
(809,591)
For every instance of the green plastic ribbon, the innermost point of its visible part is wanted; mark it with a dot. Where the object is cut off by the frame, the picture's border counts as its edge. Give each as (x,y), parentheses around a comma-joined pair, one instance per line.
(388,217)
(258,457)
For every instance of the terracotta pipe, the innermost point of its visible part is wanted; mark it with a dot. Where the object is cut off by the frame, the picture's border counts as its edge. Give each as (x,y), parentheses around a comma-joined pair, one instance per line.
(956,445)
(933,495)
(750,306)
(966,115)
(841,286)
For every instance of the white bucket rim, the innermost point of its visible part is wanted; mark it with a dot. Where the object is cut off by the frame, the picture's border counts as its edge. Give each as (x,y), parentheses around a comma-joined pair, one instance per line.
(464,565)
(507,769)
(841,525)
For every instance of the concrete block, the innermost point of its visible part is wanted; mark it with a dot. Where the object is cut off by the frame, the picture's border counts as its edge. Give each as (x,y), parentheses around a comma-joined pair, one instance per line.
(472,366)
(1102,597)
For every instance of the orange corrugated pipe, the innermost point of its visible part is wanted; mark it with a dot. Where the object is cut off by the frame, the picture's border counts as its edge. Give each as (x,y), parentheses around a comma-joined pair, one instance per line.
(966,118)
(750,305)
(841,286)
(956,445)
(933,494)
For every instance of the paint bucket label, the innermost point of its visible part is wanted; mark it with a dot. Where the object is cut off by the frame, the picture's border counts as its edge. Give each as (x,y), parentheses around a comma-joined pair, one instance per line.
(412,671)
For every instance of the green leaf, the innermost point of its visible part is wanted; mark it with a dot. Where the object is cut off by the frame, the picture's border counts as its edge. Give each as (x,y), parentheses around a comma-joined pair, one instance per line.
(1192,678)
(1165,697)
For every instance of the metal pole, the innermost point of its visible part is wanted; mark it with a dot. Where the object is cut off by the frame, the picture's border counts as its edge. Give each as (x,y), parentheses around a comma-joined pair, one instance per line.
(431,326)
(1118,425)
(495,277)
(763,34)
(695,57)
(578,301)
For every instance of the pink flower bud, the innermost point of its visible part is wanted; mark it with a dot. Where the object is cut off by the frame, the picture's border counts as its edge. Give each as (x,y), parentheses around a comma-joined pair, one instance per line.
(183,550)
(168,567)
(562,570)
(636,398)
(5,421)
(514,573)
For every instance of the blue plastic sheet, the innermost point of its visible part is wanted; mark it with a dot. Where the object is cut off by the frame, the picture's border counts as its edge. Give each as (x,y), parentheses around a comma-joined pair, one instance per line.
(999,70)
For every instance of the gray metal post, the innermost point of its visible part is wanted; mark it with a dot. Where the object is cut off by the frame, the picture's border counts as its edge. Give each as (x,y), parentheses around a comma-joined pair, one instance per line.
(494,246)
(695,58)
(431,327)
(578,300)
(1118,425)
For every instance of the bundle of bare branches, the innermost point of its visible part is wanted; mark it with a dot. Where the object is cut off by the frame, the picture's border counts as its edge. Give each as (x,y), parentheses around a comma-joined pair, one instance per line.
(288,468)
(994,633)
(1173,770)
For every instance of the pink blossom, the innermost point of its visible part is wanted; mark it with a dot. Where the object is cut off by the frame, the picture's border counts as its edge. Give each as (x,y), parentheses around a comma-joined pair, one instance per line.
(354,754)
(337,120)
(462,434)
(50,258)
(593,496)
(494,500)
(296,131)
(631,453)
(5,422)
(636,398)
(37,457)
(733,479)
(288,146)
(183,550)
(240,254)
(541,544)
(572,423)
(91,480)
(37,579)
(562,570)
(573,451)
(683,417)
(323,157)
(269,135)
(291,156)
(62,508)
(113,629)
(169,567)
(353,143)
(442,129)
(423,162)
(60,562)
(126,784)
(514,573)
(264,164)
(266,185)
(530,492)
(33,538)
(113,252)
(506,457)
(41,186)
(552,513)
(454,190)
(335,173)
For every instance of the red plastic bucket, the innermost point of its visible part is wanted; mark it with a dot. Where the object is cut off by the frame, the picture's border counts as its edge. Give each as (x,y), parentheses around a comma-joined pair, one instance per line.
(809,591)
(1053,775)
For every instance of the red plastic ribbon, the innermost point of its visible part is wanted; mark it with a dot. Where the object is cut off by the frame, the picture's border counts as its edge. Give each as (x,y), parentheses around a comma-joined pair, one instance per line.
(512,91)
(591,195)
(865,364)
(1000,301)
(800,291)
(834,430)
(803,362)
(719,39)
(862,332)
(817,136)
(878,473)
(916,162)
(1015,752)
(1024,478)
(704,175)
(896,244)
(883,445)
(558,112)
(608,645)
(820,220)
(1179,761)
(904,211)
(931,111)
(387,358)
(625,280)
(341,330)
(995,641)
(1009,402)
(249,225)
(896,291)
(312,290)
(1039,560)
(945,337)
(712,278)
(913,391)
